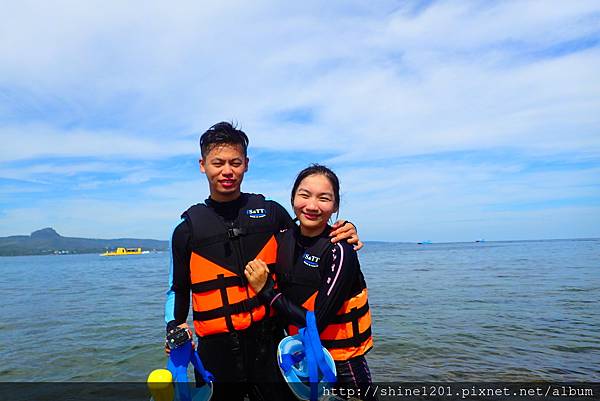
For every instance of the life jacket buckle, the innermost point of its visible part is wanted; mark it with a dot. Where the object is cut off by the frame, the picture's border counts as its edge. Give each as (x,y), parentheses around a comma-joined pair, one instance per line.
(234,232)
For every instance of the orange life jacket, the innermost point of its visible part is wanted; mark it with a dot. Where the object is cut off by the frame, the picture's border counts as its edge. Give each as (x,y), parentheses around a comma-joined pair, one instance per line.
(348,333)
(221,299)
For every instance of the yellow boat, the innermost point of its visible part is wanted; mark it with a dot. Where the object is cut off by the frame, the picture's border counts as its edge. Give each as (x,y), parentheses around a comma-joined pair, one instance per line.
(123,251)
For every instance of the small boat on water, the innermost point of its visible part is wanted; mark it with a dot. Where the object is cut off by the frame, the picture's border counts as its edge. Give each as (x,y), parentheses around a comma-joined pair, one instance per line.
(124,251)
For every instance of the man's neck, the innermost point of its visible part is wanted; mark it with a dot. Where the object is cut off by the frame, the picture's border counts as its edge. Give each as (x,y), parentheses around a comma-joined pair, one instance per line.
(228,210)
(220,198)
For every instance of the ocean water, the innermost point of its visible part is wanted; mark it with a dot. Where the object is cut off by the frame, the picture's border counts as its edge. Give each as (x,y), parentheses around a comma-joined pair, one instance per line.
(493,311)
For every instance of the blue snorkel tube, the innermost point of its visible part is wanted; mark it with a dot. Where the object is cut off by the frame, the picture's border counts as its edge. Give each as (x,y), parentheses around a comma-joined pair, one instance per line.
(307,367)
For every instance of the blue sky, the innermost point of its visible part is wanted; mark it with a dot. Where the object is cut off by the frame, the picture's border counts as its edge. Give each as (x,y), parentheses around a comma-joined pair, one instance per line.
(446,121)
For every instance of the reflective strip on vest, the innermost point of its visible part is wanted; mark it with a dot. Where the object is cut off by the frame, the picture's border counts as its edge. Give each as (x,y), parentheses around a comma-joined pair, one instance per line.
(220,299)
(348,334)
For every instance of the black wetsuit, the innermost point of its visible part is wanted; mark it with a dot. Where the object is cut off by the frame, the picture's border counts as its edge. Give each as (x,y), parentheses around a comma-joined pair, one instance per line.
(338,280)
(243,362)
(340,276)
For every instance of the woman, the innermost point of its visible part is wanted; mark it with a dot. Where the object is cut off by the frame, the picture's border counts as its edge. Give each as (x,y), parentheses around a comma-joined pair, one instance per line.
(313,274)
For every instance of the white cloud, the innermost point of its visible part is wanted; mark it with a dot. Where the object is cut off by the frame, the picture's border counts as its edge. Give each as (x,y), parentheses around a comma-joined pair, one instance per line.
(449,201)
(139,81)
(33,172)
(482,26)
(184,192)
(38,141)
(441,201)
(442,80)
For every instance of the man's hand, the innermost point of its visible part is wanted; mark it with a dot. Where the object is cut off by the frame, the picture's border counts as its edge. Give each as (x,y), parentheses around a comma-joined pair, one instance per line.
(187,327)
(257,274)
(344,230)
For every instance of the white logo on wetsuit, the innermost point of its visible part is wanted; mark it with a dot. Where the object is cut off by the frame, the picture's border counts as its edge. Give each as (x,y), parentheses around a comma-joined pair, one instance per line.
(310,260)
(256,213)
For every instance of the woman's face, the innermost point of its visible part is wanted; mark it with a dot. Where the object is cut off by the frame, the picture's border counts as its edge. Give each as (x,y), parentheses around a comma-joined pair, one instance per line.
(314,203)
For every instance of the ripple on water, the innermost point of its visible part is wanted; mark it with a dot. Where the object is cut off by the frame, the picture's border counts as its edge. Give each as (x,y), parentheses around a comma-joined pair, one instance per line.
(515,311)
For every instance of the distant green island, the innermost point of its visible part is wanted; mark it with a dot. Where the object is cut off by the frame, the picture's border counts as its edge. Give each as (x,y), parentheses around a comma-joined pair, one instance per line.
(48,242)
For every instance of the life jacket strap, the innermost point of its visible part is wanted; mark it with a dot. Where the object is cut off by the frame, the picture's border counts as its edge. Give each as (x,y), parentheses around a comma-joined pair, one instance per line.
(354,314)
(356,340)
(218,283)
(246,305)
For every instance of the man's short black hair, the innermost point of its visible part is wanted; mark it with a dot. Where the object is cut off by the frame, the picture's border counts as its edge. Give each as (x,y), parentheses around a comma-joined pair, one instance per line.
(223,133)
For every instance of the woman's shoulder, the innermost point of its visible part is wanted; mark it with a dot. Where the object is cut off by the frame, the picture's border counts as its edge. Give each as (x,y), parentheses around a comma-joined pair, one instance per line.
(344,251)
(345,246)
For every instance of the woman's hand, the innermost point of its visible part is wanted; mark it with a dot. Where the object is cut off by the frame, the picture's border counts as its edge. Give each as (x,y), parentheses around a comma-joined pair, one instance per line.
(257,274)
(344,230)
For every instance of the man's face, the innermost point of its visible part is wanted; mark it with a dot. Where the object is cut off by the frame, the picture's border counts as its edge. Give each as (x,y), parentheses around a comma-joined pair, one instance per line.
(224,167)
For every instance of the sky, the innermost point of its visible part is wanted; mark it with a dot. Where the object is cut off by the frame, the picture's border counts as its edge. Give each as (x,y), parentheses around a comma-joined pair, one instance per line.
(445,120)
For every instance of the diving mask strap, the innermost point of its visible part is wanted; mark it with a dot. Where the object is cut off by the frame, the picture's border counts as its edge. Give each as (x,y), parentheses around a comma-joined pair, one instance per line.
(315,356)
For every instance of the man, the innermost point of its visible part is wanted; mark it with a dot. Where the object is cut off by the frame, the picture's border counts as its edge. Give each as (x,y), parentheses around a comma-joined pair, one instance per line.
(237,337)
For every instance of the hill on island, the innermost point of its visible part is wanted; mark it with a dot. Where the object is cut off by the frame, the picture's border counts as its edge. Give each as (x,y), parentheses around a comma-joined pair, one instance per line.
(47,241)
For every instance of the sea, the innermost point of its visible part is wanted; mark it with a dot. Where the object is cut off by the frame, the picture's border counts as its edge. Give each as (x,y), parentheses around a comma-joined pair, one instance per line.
(469,312)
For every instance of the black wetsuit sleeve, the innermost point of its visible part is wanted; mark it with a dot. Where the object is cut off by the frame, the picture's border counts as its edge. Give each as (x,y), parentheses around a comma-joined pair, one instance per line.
(291,312)
(338,276)
(178,295)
